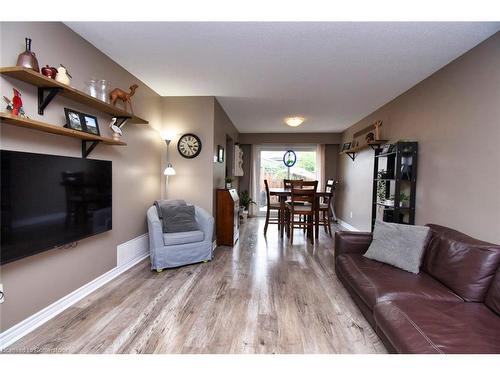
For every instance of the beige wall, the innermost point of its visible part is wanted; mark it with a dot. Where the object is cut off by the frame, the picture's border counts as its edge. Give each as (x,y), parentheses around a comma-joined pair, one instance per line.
(320,138)
(455,116)
(223,128)
(34,282)
(331,160)
(194,179)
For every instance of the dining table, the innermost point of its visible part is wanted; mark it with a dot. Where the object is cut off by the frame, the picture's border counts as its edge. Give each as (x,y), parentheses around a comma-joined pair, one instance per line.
(283,194)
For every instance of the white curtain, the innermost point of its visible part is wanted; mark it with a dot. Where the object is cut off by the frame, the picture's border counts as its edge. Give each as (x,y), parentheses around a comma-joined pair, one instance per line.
(254,186)
(320,165)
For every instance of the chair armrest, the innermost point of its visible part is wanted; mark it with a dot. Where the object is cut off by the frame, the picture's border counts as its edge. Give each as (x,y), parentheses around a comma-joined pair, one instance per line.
(155,229)
(352,242)
(206,223)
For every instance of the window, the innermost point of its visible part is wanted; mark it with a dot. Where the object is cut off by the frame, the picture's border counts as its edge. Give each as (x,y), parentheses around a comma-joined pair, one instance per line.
(270,167)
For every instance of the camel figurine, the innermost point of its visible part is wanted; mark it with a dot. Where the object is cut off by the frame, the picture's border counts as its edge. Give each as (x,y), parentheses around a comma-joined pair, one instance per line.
(123,96)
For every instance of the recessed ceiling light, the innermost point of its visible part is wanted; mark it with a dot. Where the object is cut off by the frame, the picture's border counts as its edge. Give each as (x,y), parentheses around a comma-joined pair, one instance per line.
(294,121)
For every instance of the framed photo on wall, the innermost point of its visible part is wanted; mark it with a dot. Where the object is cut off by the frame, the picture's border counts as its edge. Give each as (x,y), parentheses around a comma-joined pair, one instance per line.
(220,154)
(81,121)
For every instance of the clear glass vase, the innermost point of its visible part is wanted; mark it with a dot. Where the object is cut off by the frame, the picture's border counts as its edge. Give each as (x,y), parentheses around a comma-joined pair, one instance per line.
(91,87)
(103,88)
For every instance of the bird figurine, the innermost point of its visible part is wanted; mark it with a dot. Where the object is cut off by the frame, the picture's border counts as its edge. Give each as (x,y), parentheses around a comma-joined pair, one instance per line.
(117,132)
(15,106)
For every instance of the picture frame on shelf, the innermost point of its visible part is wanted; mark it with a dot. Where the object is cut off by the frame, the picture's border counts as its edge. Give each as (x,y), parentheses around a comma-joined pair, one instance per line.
(73,120)
(346,146)
(83,122)
(91,124)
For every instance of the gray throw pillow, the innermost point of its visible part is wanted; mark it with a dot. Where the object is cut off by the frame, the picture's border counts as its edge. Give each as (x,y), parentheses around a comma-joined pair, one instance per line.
(399,245)
(179,219)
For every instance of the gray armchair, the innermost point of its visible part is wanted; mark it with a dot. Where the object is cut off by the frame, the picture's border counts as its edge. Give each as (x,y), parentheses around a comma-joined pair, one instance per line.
(169,250)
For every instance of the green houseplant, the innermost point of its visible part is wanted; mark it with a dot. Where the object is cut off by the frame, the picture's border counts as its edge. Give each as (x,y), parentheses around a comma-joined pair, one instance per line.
(245,202)
(228,181)
(404,199)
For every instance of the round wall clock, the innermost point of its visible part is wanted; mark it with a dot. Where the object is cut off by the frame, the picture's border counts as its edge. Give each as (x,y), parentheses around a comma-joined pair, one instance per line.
(189,146)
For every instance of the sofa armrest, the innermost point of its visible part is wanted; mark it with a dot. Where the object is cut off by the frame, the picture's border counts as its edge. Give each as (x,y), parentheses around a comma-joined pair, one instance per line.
(352,242)
(155,229)
(206,223)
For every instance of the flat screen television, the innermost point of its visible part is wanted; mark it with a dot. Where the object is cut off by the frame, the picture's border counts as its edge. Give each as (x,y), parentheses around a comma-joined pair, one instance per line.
(49,201)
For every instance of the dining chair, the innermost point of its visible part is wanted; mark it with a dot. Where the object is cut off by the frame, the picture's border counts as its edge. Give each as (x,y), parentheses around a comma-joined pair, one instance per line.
(271,206)
(303,205)
(287,184)
(325,207)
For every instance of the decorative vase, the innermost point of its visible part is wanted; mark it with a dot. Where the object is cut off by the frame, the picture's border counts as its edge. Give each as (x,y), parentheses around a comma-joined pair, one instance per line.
(103,88)
(49,71)
(27,59)
(228,185)
(91,87)
(63,76)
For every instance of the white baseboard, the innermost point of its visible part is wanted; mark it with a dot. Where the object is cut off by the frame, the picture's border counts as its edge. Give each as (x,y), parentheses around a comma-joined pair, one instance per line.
(128,255)
(347,225)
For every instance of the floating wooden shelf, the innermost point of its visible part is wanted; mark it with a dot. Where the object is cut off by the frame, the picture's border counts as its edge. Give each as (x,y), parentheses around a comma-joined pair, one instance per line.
(353,151)
(54,129)
(54,87)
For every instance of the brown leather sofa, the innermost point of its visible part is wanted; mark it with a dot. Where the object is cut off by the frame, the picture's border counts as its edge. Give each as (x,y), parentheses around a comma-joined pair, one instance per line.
(451,306)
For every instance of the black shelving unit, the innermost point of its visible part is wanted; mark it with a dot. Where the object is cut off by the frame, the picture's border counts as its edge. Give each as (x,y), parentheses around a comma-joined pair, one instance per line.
(394,183)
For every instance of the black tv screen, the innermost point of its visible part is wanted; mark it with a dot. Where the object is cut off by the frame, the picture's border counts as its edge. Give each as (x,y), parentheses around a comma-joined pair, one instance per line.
(49,201)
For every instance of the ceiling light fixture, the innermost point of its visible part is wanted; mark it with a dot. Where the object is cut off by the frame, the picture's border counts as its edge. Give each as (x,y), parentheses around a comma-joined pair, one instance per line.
(294,121)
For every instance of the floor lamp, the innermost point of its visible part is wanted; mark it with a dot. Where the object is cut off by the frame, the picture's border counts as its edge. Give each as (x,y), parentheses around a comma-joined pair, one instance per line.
(169,171)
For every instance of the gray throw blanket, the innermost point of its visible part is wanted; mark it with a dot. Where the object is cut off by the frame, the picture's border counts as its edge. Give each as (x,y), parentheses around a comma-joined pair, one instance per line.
(162,206)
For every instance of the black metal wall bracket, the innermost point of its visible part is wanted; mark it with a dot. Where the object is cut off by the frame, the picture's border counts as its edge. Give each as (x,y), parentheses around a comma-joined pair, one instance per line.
(120,121)
(352,155)
(44,100)
(87,149)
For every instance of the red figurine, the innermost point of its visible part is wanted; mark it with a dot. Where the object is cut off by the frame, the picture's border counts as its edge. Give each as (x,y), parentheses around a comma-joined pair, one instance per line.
(17,103)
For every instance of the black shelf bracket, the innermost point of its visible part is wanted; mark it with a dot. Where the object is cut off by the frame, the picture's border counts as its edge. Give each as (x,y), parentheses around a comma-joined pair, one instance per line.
(352,155)
(121,120)
(44,100)
(87,149)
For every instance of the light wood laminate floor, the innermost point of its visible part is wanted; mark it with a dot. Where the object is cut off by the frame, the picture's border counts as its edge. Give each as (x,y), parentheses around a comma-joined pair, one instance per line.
(262,296)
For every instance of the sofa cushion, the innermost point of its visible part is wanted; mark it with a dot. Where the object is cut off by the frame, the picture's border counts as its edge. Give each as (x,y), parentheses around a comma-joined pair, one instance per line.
(462,263)
(183,237)
(493,296)
(375,282)
(399,245)
(438,327)
(179,219)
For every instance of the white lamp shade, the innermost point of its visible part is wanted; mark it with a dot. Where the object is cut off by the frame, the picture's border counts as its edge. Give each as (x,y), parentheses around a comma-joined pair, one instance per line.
(167,135)
(169,171)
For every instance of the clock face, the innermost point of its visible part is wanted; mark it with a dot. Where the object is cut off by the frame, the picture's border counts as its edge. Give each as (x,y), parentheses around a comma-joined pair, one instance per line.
(189,146)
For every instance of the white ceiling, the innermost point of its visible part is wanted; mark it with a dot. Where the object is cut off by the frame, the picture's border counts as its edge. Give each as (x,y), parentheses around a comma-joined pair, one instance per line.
(332,73)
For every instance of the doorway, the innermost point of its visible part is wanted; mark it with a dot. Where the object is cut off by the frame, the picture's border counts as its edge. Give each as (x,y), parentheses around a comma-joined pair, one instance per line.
(271,167)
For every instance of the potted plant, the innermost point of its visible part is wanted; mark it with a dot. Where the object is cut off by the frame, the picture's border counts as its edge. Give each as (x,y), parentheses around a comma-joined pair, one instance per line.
(404,200)
(228,180)
(245,202)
